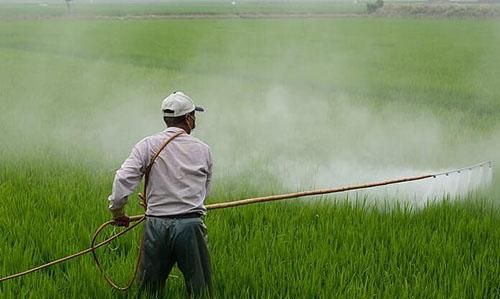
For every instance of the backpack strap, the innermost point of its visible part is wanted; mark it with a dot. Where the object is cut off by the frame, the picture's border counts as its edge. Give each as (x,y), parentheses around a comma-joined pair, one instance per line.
(143,196)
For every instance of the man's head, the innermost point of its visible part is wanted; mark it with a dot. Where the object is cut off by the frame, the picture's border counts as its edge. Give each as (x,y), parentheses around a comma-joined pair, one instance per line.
(179,111)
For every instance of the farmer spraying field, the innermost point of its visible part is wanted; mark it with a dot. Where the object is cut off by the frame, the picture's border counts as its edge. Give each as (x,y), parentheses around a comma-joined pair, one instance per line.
(177,174)
(177,181)
(368,183)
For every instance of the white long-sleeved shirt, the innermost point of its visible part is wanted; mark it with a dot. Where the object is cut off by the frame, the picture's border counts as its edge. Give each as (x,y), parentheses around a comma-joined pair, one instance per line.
(179,180)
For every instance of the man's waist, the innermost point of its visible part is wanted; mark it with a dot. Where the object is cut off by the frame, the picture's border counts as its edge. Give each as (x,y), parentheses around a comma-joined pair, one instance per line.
(178,216)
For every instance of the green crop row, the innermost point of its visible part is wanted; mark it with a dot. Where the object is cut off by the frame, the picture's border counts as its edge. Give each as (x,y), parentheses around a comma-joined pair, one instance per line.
(299,248)
(178,8)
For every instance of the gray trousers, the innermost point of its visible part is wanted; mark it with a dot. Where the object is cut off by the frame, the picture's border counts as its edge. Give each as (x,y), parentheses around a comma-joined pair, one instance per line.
(168,241)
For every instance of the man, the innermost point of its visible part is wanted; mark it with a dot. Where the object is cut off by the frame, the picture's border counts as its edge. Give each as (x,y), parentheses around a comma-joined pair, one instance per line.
(177,185)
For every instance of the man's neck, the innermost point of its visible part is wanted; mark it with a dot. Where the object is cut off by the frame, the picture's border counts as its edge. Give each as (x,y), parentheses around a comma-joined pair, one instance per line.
(184,127)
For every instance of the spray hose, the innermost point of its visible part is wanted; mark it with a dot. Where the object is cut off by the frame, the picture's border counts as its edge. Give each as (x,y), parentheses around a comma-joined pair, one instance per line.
(137,219)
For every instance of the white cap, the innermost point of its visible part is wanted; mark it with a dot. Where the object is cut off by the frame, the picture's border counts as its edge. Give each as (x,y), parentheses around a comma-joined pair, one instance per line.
(178,104)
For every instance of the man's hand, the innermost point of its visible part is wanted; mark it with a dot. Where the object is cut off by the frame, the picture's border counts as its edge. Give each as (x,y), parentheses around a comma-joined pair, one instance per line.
(120,218)
(122,221)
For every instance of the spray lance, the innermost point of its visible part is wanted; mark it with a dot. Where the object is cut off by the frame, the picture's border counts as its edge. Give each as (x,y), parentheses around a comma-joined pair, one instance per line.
(485,168)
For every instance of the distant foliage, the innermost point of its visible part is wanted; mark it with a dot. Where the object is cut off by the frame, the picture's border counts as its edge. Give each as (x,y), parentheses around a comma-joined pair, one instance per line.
(373,7)
(444,10)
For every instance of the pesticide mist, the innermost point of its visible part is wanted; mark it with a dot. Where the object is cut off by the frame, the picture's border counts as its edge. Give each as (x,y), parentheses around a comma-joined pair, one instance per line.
(276,127)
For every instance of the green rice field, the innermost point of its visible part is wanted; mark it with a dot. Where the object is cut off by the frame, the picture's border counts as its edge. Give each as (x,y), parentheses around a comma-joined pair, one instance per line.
(210,8)
(291,104)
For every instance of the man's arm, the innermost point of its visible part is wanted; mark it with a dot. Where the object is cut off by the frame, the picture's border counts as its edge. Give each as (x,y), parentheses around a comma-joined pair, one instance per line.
(127,178)
(209,174)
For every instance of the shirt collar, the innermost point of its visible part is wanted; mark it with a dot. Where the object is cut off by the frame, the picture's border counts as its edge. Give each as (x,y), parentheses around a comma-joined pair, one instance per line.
(174,130)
